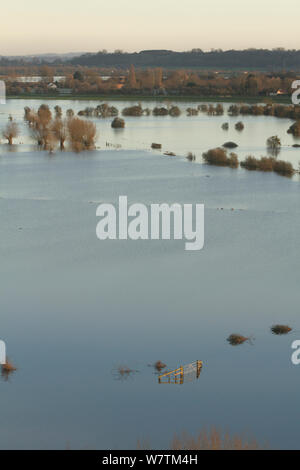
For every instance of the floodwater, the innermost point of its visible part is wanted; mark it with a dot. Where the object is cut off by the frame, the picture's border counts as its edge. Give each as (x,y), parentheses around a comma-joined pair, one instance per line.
(74,309)
(181,134)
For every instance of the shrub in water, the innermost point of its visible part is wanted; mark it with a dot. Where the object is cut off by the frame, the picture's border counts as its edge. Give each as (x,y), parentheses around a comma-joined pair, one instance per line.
(219,157)
(118,123)
(280,329)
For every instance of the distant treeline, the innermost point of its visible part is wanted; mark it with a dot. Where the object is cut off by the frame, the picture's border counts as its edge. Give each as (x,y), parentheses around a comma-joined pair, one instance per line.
(255,59)
(246,59)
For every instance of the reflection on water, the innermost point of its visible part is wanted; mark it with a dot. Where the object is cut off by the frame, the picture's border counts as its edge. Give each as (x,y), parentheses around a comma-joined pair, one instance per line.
(123,372)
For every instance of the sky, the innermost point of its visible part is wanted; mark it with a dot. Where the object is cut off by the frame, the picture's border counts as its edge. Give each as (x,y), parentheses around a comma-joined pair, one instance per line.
(40,26)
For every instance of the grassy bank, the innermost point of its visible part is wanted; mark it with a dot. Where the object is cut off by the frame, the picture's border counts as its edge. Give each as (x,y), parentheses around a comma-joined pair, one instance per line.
(135,98)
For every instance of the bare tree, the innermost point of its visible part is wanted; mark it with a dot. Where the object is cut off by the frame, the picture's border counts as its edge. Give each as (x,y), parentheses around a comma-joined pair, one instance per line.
(82,134)
(10,131)
(58,111)
(41,127)
(59,129)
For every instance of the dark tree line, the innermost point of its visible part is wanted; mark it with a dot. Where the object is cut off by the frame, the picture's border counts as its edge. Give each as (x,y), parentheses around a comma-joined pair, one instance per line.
(250,59)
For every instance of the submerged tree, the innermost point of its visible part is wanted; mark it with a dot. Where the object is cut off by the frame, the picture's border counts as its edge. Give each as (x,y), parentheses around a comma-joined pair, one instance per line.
(41,127)
(59,129)
(274,144)
(10,131)
(58,111)
(82,134)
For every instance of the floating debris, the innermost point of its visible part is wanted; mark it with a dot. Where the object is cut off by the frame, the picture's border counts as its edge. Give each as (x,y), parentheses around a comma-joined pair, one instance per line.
(170,154)
(236,340)
(186,373)
(230,145)
(281,329)
(155,146)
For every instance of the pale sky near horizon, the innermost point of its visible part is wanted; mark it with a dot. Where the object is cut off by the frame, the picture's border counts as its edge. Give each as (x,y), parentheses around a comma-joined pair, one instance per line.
(32,26)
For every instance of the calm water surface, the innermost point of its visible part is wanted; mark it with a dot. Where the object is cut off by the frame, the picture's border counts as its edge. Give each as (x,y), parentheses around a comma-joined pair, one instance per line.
(73,308)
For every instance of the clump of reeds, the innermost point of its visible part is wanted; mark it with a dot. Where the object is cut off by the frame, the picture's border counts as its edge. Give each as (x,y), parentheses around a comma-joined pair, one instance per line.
(236,340)
(213,440)
(159,365)
(280,329)
(7,369)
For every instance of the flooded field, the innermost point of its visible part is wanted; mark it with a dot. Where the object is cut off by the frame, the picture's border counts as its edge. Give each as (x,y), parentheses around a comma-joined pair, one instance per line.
(180,135)
(85,320)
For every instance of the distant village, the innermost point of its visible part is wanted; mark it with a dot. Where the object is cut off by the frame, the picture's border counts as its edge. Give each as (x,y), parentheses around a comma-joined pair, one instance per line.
(67,80)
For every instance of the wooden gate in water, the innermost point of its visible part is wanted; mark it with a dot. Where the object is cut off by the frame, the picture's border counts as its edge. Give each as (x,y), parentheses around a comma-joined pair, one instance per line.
(187,373)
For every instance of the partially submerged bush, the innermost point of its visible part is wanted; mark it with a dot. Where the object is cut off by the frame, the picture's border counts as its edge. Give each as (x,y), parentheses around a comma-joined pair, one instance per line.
(233,160)
(274,143)
(192,111)
(133,111)
(250,163)
(104,110)
(10,131)
(219,157)
(268,164)
(233,110)
(174,111)
(239,126)
(159,366)
(82,134)
(280,329)
(294,129)
(160,111)
(283,168)
(191,157)
(118,123)
(230,145)
(225,126)
(236,340)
